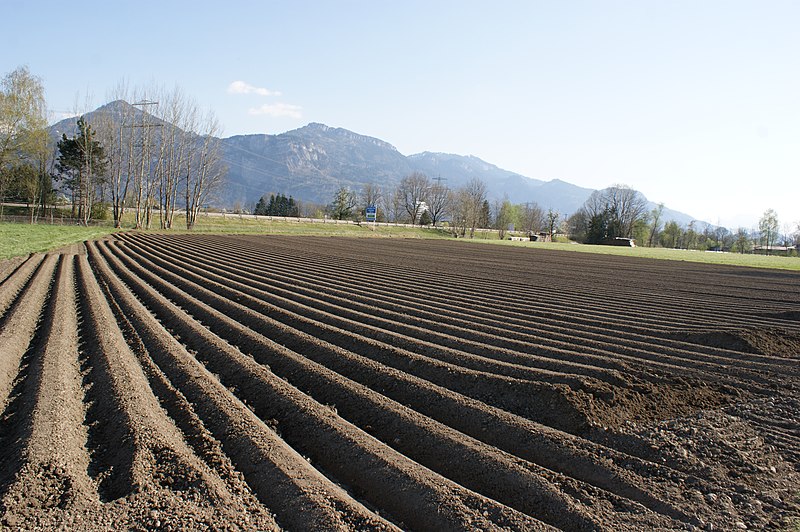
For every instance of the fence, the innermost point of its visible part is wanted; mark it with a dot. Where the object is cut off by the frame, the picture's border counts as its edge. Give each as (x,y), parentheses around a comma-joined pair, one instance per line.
(60,219)
(54,220)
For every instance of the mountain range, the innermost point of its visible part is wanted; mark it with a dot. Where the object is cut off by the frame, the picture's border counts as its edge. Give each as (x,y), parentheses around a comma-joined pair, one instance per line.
(312,162)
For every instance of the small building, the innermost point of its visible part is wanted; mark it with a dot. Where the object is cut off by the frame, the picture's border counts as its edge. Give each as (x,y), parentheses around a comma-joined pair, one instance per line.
(768,250)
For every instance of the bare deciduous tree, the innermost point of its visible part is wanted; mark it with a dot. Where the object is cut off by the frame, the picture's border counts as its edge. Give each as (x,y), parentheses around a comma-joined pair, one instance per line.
(371,195)
(178,141)
(532,218)
(392,205)
(612,212)
(205,170)
(116,133)
(437,201)
(466,207)
(459,209)
(629,205)
(552,221)
(412,191)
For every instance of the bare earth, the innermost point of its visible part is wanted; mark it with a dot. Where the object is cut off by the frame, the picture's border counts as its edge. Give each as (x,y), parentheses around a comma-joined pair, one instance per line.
(197,382)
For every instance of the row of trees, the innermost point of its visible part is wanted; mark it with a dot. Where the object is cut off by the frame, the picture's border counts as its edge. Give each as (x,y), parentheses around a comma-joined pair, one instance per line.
(618,211)
(615,212)
(419,200)
(162,151)
(763,239)
(621,212)
(150,157)
(278,205)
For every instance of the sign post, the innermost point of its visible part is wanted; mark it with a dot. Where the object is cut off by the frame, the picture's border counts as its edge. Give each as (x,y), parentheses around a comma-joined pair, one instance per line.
(372,213)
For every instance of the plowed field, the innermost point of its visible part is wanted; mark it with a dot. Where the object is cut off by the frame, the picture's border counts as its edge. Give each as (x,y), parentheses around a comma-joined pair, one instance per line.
(246,382)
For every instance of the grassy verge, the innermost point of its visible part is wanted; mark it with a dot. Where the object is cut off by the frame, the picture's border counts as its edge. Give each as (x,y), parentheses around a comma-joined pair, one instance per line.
(731,259)
(235,224)
(22,239)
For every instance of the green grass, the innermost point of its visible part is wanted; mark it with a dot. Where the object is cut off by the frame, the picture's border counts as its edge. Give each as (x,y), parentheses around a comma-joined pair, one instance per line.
(22,239)
(732,259)
(233,223)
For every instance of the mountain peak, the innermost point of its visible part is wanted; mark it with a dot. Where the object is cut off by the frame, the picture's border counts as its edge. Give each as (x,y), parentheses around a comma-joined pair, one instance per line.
(313,161)
(322,132)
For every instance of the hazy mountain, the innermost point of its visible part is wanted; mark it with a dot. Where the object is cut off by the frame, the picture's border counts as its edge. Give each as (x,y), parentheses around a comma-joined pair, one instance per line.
(311,162)
(113,110)
(458,169)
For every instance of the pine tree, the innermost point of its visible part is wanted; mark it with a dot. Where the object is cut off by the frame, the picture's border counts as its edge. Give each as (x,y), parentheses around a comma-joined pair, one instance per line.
(294,210)
(261,207)
(82,163)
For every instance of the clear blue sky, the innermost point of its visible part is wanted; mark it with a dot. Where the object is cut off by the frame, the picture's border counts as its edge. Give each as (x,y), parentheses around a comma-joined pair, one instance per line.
(696,103)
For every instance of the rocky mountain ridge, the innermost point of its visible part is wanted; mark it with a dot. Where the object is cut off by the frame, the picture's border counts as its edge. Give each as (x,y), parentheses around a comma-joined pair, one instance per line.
(312,162)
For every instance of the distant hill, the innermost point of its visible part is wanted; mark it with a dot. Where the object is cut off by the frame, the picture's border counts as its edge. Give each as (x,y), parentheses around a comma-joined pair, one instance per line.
(311,162)
(113,110)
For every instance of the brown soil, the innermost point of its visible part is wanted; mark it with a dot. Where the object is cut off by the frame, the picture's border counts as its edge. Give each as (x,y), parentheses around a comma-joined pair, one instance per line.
(245,382)
(782,342)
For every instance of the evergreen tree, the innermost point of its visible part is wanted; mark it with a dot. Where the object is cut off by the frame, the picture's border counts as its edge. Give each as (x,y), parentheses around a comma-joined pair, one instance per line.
(282,205)
(425,218)
(294,209)
(278,205)
(82,164)
(261,207)
(597,229)
(484,219)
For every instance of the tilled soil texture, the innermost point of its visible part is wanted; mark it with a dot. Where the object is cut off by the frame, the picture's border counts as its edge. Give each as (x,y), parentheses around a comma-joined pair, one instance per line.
(260,383)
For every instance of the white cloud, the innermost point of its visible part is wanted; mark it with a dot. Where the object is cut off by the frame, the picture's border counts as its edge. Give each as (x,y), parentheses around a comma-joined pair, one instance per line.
(242,87)
(277,110)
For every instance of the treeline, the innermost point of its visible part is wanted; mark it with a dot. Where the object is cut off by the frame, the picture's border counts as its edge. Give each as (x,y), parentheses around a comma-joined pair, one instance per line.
(278,205)
(152,157)
(616,212)
(621,212)
(419,200)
